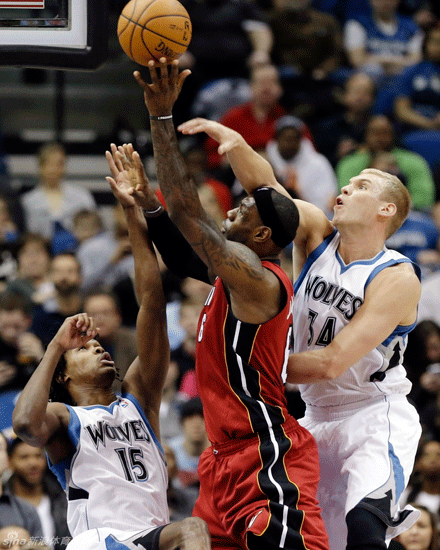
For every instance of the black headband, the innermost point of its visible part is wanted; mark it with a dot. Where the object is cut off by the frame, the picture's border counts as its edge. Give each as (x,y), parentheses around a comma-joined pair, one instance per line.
(269,216)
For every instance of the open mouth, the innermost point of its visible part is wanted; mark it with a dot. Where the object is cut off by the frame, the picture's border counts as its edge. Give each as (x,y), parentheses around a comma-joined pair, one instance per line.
(106,358)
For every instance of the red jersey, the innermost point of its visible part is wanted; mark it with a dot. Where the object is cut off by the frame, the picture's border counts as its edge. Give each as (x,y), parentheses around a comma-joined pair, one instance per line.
(241,367)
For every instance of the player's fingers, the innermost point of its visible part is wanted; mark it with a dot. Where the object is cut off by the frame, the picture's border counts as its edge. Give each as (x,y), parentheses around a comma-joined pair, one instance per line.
(139,166)
(182,77)
(163,70)
(122,157)
(153,75)
(140,80)
(111,164)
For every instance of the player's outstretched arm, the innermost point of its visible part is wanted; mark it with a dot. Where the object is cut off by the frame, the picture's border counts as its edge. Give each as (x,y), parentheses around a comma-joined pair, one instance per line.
(250,168)
(391,300)
(146,375)
(34,419)
(239,268)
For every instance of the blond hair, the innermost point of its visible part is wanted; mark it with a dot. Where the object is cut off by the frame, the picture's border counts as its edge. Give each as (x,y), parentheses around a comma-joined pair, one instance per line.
(396,193)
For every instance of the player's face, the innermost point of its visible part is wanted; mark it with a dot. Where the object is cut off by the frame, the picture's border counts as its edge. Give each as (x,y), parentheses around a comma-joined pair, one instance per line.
(418,537)
(359,202)
(241,221)
(28,464)
(89,363)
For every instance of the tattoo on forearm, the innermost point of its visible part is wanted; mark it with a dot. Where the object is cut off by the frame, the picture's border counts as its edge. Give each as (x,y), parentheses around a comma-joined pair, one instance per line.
(180,193)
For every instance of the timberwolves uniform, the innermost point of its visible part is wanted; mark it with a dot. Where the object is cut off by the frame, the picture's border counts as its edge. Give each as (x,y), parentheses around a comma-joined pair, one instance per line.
(367,431)
(258,480)
(116,480)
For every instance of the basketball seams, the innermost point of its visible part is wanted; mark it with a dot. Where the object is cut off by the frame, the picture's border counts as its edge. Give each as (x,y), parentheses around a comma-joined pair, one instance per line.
(162,36)
(139,20)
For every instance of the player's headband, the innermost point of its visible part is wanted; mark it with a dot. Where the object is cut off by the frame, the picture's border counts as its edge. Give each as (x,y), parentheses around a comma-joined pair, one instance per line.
(269,216)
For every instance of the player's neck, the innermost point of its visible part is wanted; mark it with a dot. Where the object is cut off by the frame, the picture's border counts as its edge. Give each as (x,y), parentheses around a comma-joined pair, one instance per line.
(86,396)
(358,246)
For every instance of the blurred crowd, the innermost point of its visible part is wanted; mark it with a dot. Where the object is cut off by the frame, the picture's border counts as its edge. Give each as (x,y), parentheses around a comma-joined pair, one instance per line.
(322,89)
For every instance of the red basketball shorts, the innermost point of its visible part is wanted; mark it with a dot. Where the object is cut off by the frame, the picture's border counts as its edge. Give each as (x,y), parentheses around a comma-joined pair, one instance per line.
(261,492)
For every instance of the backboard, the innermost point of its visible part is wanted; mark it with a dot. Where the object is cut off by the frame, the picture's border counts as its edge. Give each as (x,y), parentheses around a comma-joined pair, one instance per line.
(63,34)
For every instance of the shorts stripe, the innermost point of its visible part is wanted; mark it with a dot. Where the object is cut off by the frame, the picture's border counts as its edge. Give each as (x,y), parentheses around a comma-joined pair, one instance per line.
(284,527)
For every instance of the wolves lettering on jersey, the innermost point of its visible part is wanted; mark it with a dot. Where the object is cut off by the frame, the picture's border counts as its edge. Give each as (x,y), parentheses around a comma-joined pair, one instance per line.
(332,295)
(135,430)
(327,295)
(242,366)
(117,469)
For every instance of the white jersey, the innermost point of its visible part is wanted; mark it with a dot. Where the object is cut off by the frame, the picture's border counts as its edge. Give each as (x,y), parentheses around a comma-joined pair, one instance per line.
(327,295)
(117,476)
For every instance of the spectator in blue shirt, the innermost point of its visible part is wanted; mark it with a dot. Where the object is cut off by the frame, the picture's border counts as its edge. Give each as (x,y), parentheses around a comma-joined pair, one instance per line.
(417,103)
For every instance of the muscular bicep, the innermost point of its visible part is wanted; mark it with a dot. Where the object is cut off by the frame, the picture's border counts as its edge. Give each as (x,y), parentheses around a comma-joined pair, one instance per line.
(390,300)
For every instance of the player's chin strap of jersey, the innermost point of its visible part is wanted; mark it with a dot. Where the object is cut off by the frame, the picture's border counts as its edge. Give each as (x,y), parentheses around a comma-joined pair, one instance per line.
(269,204)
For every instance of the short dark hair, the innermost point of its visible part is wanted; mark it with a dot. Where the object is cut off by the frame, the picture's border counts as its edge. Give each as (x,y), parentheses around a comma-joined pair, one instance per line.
(13,444)
(193,407)
(10,301)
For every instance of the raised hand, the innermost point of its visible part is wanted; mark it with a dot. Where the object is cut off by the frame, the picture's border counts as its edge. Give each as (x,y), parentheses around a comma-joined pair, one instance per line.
(226,137)
(130,183)
(165,86)
(75,332)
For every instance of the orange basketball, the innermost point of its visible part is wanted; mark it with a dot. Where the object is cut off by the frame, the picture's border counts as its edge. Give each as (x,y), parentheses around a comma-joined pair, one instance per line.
(151,29)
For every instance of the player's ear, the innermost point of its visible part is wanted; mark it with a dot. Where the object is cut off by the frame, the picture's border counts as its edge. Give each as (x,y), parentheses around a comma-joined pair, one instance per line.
(388,209)
(262,234)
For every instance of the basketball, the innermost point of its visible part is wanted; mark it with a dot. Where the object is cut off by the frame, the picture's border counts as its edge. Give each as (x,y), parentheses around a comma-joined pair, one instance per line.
(151,29)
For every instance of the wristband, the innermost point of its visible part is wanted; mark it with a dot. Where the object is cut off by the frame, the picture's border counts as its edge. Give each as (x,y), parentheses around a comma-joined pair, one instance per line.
(153,213)
(164,117)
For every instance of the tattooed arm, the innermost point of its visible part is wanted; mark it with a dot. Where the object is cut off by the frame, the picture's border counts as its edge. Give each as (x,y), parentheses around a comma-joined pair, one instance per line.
(239,267)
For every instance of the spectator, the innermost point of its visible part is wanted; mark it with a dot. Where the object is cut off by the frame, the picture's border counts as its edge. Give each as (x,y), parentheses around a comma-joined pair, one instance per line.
(422,352)
(65,274)
(384,42)
(424,486)
(31,482)
(13,510)
(181,500)
(418,237)
(307,49)
(8,238)
(189,446)
(380,137)
(119,341)
(86,224)
(417,103)
(245,38)
(53,201)
(423,535)
(215,194)
(106,258)
(32,281)
(343,132)
(254,119)
(306,174)
(238,26)
(20,349)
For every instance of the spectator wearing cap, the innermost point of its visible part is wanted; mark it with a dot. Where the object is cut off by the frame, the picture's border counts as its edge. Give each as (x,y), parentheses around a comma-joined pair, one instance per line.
(188,446)
(304,172)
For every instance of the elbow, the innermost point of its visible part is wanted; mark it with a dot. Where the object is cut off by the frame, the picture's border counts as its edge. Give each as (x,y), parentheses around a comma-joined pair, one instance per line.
(21,426)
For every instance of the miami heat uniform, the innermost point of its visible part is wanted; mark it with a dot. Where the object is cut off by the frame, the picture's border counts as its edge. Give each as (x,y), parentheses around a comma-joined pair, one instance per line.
(258,479)
(116,480)
(366,430)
